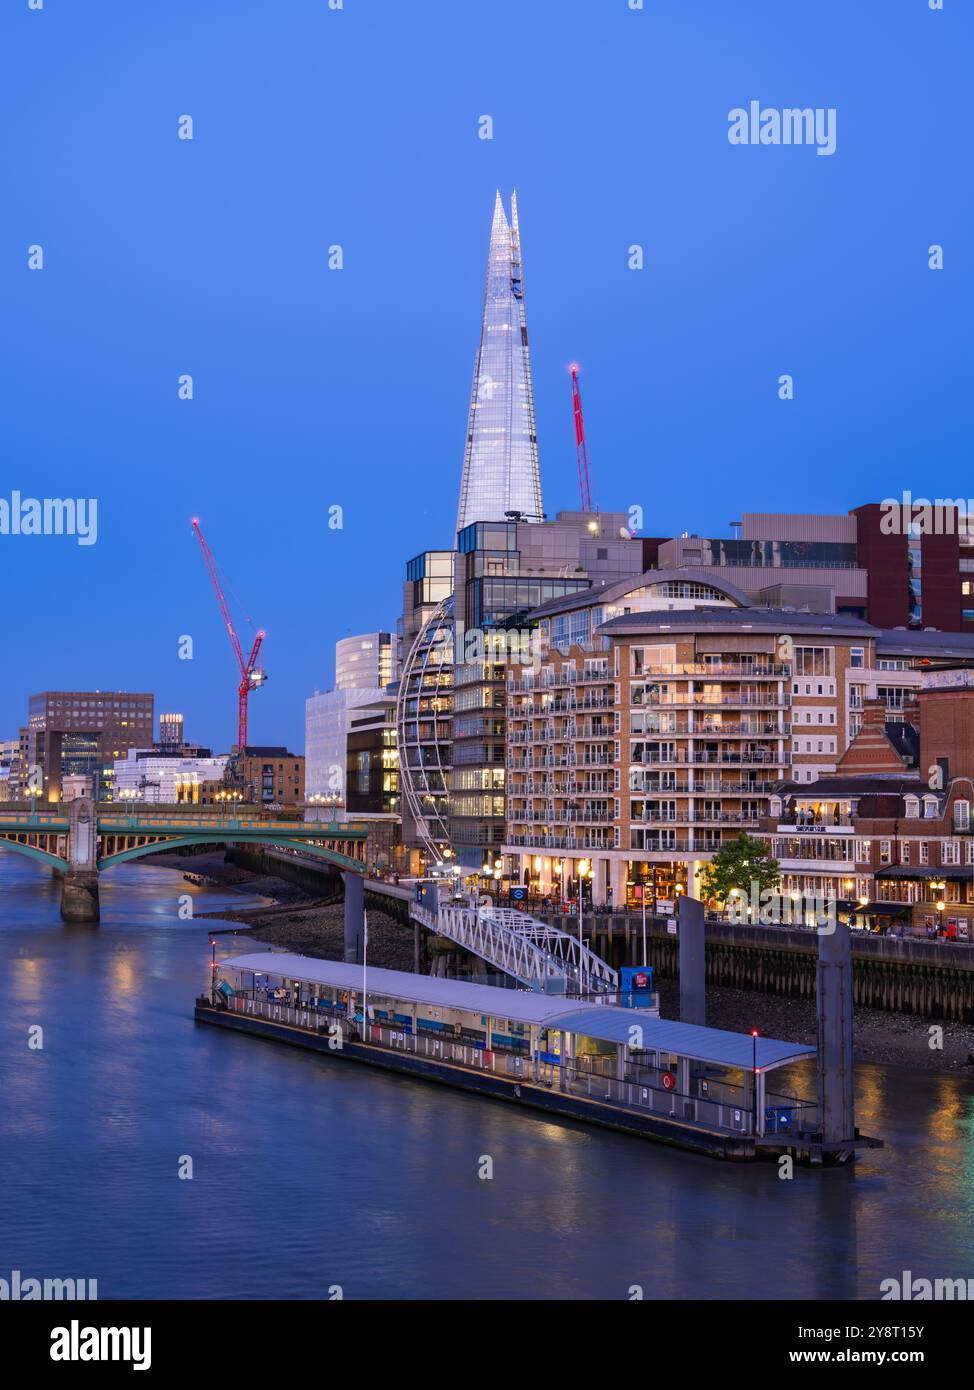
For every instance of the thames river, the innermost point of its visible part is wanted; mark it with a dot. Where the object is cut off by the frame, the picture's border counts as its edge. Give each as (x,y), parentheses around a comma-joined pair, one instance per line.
(310,1175)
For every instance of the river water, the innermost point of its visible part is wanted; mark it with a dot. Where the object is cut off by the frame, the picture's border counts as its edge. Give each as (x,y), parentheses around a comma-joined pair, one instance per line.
(310,1173)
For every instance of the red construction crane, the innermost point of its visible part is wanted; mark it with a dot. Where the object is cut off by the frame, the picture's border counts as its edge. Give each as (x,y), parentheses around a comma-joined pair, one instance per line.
(250,677)
(584,485)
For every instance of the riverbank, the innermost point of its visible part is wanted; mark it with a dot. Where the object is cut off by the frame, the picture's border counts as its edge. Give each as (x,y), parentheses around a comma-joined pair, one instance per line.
(287,918)
(899,1040)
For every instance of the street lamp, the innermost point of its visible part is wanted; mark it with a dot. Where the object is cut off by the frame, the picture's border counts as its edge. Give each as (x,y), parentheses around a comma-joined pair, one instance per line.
(754,1078)
(212,971)
(584,869)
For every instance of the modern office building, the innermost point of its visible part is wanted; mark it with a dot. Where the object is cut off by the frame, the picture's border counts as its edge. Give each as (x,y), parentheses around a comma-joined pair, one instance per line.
(424,709)
(9,753)
(368,661)
(372,779)
(504,570)
(81,732)
(666,713)
(155,775)
(909,567)
(500,464)
(171,734)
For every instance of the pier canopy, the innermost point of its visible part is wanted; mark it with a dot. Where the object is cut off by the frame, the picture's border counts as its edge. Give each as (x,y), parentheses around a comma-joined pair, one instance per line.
(603,1022)
(523,1006)
(699,1044)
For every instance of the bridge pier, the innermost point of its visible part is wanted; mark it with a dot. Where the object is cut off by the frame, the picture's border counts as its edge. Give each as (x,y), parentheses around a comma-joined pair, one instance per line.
(79,897)
(79,887)
(354,917)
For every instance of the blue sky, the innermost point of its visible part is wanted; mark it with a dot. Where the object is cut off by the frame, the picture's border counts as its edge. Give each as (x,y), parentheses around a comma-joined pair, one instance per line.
(315,387)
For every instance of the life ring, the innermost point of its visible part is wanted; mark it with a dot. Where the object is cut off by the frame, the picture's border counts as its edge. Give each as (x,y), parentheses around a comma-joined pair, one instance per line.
(669,1081)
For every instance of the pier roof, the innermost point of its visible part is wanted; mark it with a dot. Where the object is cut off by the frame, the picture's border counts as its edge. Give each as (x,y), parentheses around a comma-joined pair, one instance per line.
(607,1023)
(524,1006)
(692,1040)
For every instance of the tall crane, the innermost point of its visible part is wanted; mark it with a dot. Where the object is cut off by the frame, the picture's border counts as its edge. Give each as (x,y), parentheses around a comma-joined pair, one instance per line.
(250,676)
(584,485)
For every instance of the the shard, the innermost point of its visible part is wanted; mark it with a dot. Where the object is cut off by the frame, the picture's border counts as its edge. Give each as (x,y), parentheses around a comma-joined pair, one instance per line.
(500,465)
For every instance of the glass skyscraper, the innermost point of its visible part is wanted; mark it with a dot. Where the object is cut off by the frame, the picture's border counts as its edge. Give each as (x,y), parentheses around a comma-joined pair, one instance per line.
(500,467)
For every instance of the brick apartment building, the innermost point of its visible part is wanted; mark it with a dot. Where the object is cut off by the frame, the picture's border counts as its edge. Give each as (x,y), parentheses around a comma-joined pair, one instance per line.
(666,713)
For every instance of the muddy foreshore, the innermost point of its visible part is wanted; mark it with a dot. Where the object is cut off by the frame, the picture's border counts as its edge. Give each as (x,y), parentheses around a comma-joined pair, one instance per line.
(314,927)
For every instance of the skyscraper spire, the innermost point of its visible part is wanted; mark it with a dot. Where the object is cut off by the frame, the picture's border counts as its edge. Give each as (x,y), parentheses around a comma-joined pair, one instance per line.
(501,472)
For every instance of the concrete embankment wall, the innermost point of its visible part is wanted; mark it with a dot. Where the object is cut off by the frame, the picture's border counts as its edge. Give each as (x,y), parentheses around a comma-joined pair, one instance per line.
(319,880)
(896,974)
(323,882)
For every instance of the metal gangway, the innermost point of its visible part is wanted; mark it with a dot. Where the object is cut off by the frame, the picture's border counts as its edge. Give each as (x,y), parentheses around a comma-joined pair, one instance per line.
(535,954)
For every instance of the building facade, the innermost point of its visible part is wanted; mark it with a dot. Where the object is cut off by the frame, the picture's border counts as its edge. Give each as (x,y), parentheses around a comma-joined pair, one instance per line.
(269,776)
(911,566)
(153,775)
(368,661)
(504,571)
(80,733)
(668,712)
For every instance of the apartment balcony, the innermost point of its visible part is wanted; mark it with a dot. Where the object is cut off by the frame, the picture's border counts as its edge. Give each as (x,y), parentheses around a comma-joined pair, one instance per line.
(822,826)
(727,757)
(747,671)
(693,700)
(663,786)
(814,851)
(536,840)
(695,818)
(748,728)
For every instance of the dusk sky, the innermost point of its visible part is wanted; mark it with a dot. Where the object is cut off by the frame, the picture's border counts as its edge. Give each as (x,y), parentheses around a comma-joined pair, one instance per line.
(317,387)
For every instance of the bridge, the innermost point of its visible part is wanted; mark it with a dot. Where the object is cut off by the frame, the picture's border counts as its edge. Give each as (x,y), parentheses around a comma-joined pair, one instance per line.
(80,840)
(537,955)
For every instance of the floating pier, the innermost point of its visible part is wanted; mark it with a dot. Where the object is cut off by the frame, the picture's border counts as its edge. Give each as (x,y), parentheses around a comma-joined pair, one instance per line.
(702,1089)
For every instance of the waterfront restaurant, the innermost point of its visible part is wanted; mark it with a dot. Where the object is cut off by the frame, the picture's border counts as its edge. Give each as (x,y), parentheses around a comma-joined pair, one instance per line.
(620,1066)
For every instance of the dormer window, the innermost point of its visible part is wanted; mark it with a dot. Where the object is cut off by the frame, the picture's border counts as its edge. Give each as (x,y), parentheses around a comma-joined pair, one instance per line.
(962,815)
(930,809)
(912,807)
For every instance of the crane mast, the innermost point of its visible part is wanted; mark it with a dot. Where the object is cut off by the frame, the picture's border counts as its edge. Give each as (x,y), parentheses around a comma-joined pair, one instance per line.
(250,677)
(584,483)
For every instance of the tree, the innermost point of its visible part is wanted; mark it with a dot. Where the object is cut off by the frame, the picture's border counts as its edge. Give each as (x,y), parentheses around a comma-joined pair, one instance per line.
(739,864)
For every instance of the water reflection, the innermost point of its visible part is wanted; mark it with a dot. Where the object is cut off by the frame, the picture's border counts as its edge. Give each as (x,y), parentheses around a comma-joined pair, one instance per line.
(311,1172)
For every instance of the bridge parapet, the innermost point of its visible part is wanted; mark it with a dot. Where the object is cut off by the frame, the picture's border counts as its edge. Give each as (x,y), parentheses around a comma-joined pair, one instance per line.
(537,954)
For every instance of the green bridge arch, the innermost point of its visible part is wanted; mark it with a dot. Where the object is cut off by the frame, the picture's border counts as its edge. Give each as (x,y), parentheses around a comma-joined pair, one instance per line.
(42,856)
(340,861)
